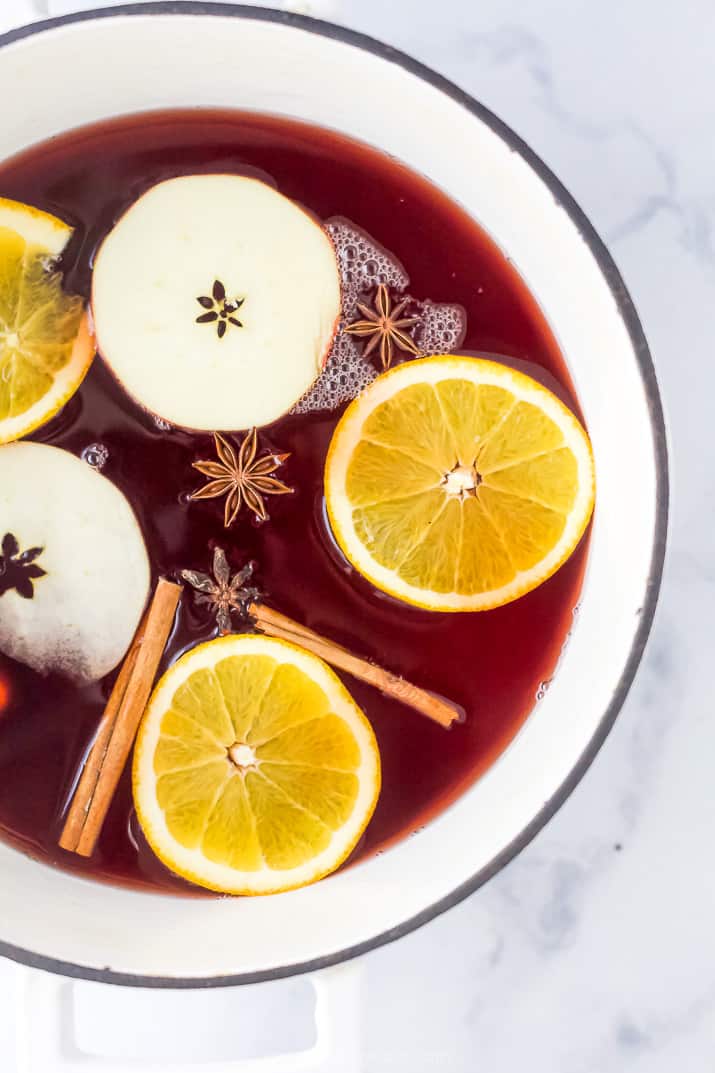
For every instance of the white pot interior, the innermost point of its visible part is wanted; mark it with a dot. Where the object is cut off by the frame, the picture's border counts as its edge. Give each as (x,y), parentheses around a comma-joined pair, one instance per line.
(119,64)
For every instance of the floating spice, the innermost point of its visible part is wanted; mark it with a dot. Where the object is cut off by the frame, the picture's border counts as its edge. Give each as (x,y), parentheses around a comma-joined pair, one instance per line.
(226,594)
(365,265)
(107,758)
(223,593)
(18,569)
(221,310)
(242,476)
(385,327)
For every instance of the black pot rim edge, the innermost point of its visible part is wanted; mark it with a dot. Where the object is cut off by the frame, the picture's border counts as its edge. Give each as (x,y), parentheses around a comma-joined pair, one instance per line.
(650,385)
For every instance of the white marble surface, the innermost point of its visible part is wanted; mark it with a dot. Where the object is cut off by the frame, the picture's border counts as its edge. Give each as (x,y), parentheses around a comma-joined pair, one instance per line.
(592,952)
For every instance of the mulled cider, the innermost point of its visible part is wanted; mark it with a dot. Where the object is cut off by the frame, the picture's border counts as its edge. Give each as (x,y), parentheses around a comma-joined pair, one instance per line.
(328,417)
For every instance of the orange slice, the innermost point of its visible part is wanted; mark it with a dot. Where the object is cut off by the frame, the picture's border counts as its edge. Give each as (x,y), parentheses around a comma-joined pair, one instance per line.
(458,484)
(46,346)
(254,770)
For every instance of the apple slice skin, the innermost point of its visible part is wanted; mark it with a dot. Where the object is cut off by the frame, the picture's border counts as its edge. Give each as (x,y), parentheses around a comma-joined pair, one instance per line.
(79,614)
(167,252)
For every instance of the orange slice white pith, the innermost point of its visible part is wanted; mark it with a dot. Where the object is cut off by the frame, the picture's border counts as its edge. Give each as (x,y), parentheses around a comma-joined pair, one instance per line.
(46,346)
(254,770)
(458,484)
(215,301)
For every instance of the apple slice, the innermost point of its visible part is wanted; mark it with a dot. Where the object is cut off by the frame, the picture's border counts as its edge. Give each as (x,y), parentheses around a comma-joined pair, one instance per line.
(215,301)
(74,572)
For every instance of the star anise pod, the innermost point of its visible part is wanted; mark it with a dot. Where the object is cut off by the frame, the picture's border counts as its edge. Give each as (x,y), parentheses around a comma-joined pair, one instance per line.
(384,326)
(241,477)
(18,569)
(223,593)
(221,309)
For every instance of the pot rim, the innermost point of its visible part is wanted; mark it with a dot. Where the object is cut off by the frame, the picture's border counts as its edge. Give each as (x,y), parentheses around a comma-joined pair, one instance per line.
(646,368)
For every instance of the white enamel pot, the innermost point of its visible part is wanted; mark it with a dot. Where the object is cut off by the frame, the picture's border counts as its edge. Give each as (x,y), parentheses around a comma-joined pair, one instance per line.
(85,67)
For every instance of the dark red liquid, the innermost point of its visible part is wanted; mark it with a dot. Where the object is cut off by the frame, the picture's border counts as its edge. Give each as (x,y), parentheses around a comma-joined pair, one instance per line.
(490,663)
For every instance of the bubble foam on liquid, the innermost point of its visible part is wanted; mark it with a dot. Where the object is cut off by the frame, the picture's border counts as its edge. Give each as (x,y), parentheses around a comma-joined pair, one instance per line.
(345,375)
(442,327)
(363,264)
(96,455)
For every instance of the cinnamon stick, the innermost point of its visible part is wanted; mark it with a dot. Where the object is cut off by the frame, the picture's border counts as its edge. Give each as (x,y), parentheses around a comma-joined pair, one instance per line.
(276,624)
(85,788)
(119,724)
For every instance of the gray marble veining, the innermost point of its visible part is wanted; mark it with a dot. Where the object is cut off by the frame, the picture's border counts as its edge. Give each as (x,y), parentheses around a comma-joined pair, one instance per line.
(593,951)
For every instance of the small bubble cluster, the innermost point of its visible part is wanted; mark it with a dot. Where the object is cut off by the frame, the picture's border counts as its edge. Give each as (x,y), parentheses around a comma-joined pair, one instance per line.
(96,455)
(544,686)
(345,375)
(363,264)
(162,424)
(543,689)
(441,329)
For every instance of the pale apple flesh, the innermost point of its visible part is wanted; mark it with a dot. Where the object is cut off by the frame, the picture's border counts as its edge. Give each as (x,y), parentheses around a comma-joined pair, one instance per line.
(215,301)
(74,570)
